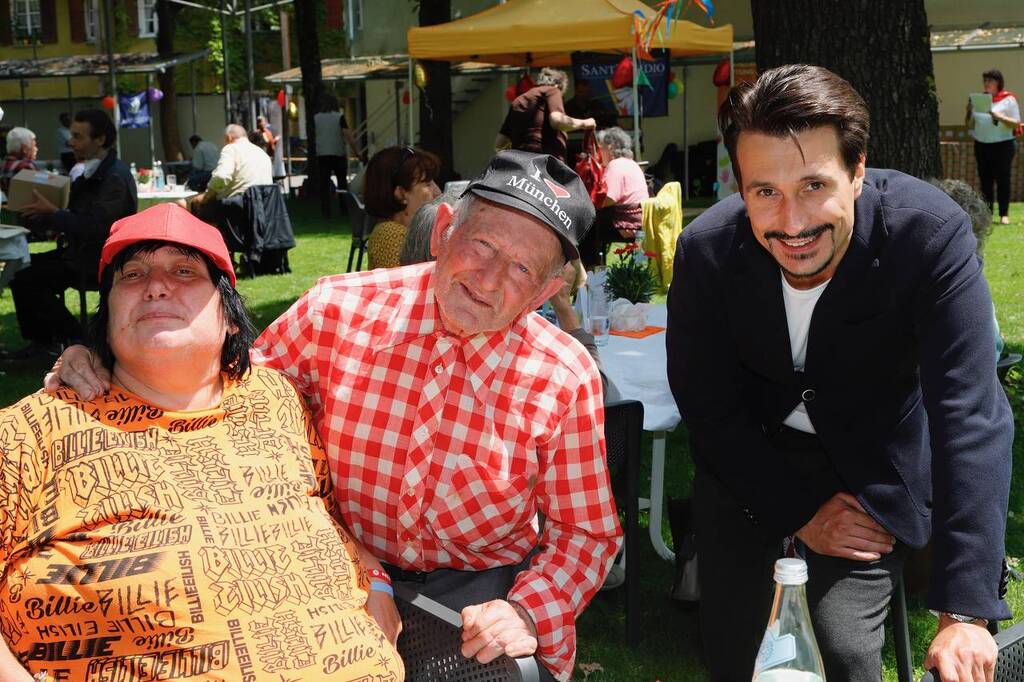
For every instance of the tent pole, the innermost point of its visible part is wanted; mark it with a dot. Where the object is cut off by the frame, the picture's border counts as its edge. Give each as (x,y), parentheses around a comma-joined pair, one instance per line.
(149,103)
(636,105)
(686,146)
(398,111)
(108,25)
(195,113)
(24,113)
(411,136)
(70,105)
(250,71)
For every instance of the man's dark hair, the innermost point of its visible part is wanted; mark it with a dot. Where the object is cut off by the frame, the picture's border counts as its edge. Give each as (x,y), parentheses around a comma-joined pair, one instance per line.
(65,120)
(789,100)
(99,124)
(391,167)
(994,75)
(234,355)
(194,140)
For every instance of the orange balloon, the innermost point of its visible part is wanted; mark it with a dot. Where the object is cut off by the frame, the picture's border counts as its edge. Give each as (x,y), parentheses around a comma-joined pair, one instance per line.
(108,102)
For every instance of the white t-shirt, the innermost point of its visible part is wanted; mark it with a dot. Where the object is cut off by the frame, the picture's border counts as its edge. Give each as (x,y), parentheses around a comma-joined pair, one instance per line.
(799,308)
(329,140)
(987,130)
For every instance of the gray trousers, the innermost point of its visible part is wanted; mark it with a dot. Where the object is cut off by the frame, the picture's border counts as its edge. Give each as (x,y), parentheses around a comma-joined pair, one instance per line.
(848,599)
(459,589)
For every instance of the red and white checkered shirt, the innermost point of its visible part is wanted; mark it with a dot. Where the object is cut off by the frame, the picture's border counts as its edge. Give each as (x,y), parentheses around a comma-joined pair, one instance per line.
(444,449)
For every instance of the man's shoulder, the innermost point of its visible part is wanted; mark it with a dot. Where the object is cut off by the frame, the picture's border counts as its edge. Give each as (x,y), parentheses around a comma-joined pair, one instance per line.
(353,287)
(910,207)
(557,347)
(715,230)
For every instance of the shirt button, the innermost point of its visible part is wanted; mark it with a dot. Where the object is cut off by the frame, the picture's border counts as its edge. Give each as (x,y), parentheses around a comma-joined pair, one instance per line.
(438,369)
(808,395)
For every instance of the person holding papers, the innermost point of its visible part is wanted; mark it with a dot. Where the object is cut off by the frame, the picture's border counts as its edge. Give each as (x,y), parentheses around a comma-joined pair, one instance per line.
(993,118)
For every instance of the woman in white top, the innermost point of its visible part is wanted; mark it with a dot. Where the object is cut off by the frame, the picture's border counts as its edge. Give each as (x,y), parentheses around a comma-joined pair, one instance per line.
(994,146)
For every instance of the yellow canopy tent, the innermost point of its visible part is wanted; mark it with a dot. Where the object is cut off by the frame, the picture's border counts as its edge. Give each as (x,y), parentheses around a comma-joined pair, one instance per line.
(545,32)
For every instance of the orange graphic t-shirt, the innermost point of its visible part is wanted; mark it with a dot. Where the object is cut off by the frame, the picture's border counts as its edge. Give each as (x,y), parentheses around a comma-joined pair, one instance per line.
(138,544)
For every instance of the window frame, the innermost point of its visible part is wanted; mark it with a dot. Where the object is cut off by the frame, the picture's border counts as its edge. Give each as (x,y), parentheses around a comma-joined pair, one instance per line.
(91,20)
(148,20)
(21,8)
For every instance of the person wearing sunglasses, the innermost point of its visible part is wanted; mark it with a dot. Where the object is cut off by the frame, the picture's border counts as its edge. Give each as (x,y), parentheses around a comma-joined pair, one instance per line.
(398,181)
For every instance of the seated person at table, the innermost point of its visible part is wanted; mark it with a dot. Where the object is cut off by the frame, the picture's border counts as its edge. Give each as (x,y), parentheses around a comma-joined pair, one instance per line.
(103,193)
(398,181)
(204,159)
(241,166)
(21,154)
(193,502)
(620,216)
(452,416)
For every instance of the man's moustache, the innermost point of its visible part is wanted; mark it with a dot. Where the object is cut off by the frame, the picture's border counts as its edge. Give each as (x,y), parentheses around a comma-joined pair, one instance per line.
(809,233)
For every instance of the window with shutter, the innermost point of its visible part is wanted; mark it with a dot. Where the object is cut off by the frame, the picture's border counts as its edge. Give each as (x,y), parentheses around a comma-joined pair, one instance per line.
(147,18)
(26,21)
(6,34)
(92,21)
(76,17)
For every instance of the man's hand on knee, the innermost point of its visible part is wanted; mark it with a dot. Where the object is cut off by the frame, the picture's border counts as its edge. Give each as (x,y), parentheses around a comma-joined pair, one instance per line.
(497,627)
(842,528)
(79,368)
(962,652)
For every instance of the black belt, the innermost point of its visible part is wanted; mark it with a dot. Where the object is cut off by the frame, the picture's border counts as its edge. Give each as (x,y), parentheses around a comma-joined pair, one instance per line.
(401,575)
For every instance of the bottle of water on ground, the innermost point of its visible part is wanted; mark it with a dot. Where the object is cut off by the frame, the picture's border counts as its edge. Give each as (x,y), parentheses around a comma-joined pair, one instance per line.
(789,651)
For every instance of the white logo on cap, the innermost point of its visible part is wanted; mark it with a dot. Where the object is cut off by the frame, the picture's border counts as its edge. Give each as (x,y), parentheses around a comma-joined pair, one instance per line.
(524,185)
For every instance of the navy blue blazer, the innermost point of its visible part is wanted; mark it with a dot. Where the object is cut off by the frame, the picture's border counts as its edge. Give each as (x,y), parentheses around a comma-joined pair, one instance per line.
(899,380)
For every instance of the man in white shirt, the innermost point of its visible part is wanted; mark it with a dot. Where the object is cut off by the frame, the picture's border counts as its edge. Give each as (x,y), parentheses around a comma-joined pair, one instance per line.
(241,166)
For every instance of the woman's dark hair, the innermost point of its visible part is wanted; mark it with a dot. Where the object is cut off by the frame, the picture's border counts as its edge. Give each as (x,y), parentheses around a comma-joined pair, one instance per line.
(99,124)
(391,167)
(234,355)
(994,75)
(789,100)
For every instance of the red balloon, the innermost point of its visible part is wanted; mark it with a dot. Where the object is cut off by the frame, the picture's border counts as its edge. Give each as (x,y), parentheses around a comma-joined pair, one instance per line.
(280,98)
(525,83)
(510,93)
(108,102)
(721,75)
(406,98)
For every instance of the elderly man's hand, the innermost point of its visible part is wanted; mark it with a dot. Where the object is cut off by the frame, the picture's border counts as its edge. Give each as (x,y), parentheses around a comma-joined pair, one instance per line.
(497,627)
(842,528)
(79,368)
(962,652)
(39,206)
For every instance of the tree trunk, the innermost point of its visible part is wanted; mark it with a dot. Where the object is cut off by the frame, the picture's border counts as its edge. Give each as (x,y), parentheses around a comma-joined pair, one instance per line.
(312,81)
(167,14)
(883,50)
(436,102)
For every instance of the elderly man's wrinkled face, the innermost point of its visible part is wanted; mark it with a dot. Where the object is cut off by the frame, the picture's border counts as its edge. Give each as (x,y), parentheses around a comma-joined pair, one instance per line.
(498,264)
(164,302)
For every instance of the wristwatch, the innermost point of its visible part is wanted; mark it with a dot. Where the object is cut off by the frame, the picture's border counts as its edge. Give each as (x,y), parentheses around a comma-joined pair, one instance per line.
(960,618)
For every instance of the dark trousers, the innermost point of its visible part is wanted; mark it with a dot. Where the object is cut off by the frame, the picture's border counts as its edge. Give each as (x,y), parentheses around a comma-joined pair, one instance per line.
(38,293)
(339,166)
(459,589)
(994,162)
(848,599)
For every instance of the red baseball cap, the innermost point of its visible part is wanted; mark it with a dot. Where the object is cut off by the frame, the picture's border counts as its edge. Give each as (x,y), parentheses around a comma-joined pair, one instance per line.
(168,223)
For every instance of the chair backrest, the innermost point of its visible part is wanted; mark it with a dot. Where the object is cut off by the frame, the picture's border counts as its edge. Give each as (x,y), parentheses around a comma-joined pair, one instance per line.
(267,213)
(357,217)
(430,646)
(1010,664)
(623,429)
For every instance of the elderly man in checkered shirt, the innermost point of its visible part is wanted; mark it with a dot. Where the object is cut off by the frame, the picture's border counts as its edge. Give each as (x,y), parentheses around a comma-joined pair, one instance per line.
(465,432)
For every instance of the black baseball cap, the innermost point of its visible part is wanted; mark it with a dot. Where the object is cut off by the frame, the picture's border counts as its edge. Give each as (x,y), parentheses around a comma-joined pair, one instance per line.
(543,187)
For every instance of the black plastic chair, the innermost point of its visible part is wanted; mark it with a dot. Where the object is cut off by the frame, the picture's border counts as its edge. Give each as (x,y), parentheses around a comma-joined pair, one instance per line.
(360,222)
(430,645)
(1009,664)
(623,429)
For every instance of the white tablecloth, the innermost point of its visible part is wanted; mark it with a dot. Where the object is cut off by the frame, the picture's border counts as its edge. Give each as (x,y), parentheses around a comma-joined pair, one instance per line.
(636,367)
(13,252)
(147,199)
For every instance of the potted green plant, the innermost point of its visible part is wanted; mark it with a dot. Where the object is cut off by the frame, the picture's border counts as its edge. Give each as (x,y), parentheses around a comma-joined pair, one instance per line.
(632,276)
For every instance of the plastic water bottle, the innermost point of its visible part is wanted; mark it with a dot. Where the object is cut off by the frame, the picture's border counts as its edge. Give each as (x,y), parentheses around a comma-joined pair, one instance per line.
(789,652)
(135,172)
(158,176)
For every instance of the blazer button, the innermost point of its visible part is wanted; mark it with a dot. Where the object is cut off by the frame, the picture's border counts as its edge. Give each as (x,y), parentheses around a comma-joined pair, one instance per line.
(807,395)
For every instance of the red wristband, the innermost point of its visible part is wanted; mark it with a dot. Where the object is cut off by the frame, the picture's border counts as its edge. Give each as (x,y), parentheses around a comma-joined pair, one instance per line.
(377,574)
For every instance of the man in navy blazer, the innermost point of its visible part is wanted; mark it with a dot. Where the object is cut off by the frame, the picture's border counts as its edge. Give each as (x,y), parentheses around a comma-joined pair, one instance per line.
(830,343)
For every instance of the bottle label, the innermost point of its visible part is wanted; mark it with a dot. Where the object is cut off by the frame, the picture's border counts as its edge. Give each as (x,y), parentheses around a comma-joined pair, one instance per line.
(775,650)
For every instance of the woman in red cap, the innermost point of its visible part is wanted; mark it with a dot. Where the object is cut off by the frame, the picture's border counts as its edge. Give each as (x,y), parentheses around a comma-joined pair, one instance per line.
(182,525)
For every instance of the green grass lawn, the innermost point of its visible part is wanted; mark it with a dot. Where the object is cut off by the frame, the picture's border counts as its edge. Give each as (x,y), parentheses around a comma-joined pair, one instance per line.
(670,649)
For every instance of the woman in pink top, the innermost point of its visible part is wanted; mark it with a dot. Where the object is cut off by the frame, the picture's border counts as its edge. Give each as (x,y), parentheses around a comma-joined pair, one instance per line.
(619,219)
